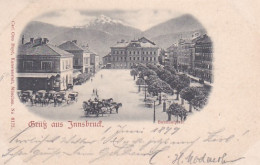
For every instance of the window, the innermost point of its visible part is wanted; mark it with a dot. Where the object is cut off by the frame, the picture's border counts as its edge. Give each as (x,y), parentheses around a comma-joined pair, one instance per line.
(137,58)
(85,60)
(154,58)
(146,58)
(129,58)
(28,65)
(46,65)
(134,58)
(151,59)
(76,62)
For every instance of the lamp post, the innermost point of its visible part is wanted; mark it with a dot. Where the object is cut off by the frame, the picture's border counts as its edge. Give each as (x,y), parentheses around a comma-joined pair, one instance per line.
(154,115)
(145,77)
(164,98)
(154,111)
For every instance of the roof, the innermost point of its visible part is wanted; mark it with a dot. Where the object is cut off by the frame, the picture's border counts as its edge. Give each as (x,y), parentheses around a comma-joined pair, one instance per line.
(109,55)
(69,45)
(204,39)
(142,42)
(120,44)
(41,49)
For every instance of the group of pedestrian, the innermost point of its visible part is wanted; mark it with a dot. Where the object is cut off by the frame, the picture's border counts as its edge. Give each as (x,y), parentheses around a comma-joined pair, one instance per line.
(95,92)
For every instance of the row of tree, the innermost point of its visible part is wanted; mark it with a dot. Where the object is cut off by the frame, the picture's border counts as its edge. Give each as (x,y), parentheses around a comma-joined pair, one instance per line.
(165,79)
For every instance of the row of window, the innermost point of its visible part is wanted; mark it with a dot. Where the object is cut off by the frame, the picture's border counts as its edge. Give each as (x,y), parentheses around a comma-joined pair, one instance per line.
(203,66)
(45,65)
(134,58)
(134,52)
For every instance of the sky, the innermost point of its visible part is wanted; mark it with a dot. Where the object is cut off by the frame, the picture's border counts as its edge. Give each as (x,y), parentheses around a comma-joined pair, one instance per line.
(140,19)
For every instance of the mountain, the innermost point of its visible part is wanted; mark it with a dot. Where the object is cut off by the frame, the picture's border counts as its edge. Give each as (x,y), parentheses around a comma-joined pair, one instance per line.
(39,29)
(180,24)
(115,27)
(165,41)
(98,41)
(166,33)
(103,32)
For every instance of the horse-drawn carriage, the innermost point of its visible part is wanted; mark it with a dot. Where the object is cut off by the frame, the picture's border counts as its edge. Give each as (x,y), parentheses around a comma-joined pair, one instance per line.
(26,96)
(72,96)
(102,107)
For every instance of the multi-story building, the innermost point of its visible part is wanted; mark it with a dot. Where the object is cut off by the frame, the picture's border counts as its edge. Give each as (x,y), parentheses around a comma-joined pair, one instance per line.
(173,55)
(41,66)
(126,54)
(203,58)
(81,59)
(107,61)
(185,57)
(94,61)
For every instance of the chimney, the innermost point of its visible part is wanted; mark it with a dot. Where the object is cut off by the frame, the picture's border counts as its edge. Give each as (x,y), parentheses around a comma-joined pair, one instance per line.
(74,41)
(31,40)
(45,40)
(38,41)
(23,39)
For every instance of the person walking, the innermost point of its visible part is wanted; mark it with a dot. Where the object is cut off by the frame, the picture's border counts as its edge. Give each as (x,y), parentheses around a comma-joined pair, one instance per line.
(96,92)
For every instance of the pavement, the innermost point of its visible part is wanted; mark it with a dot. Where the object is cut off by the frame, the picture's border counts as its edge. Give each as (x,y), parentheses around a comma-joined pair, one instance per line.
(116,84)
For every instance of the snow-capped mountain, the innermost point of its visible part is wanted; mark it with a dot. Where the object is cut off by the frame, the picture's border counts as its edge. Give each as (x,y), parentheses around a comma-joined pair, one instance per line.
(111,26)
(102,19)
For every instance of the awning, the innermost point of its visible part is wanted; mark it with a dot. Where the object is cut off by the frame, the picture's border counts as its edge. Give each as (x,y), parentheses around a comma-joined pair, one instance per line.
(76,73)
(37,75)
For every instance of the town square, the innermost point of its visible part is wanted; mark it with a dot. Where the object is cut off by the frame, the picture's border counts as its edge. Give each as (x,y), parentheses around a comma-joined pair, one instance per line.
(135,79)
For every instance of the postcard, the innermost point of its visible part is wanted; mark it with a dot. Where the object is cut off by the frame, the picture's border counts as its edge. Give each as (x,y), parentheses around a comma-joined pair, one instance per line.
(130,82)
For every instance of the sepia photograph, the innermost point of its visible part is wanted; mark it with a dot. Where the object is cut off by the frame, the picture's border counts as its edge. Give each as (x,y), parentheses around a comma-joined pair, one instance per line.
(110,82)
(77,64)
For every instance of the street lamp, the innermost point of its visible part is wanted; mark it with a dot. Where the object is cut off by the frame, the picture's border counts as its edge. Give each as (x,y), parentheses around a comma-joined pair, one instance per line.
(145,78)
(164,103)
(154,100)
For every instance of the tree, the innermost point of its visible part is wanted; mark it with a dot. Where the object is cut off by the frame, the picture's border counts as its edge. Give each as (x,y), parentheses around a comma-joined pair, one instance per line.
(178,111)
(151,79)
(134,73)
(140,82)
(180,83)
(164,74)
(170,69)
(159,86)
(189,93)
(147,72)
(199,101)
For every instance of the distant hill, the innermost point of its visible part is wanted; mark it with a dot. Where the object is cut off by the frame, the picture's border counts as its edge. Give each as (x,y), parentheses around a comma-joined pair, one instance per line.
(98,41)
(183,23)
(39,29)
(103,32)
(166,40)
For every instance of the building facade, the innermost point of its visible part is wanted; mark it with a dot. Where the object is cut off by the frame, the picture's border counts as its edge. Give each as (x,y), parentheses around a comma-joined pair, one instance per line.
(173,55)
(41,66)
(81,59)
(94,61)
(124,54)
(203,58)
(185,58)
